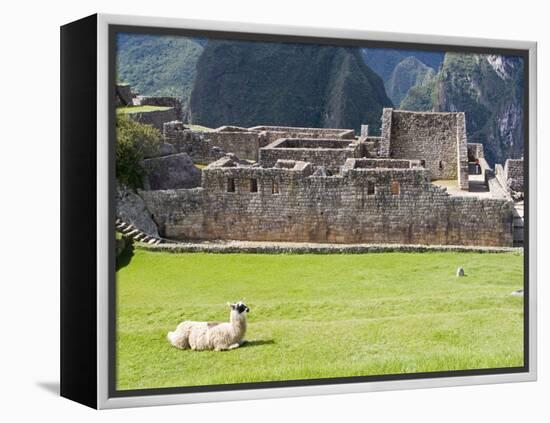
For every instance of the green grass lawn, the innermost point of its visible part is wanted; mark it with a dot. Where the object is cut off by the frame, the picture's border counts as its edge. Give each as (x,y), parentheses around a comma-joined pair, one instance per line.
(316,316)
(139,109)
(199,128)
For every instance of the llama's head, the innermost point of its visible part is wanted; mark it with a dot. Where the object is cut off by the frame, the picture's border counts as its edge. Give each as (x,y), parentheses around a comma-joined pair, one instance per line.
(239,307)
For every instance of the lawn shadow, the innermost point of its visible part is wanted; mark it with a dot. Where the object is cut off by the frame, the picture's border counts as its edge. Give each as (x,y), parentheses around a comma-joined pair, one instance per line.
(257,343)
(125,257)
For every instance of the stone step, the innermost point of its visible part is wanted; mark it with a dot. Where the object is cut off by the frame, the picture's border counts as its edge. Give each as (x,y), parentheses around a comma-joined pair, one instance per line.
(140,236)
(128,228)
(130,231)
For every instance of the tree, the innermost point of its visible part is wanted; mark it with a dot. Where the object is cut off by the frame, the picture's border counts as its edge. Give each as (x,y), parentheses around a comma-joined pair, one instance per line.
(134,142)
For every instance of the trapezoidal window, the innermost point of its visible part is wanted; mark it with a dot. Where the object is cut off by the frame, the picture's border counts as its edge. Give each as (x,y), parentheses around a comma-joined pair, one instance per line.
(395,187)
(275,188)
(230,185)
(441,165)
(253,185)
(370,187)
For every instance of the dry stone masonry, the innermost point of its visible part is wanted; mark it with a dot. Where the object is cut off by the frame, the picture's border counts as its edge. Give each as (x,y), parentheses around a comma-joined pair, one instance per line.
(365,203)
(439,139)
(412,185)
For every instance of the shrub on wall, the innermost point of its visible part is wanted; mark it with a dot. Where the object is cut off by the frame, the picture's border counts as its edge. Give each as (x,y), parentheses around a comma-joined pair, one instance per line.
(134,142)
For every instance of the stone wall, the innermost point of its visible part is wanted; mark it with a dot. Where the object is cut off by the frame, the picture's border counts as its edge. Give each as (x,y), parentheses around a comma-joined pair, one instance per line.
(123,95)
(384,142)
(513,171)
(289,204)
(178,212)
(243,144)
(275,132)
(475,151)
(163,101)
(439,139)
(462,152)
(331,153)
(366,163)
(157,118)
(191,142)
(371,146)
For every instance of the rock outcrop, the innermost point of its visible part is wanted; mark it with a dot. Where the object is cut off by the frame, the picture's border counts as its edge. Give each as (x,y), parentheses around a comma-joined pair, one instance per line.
(131,209)
(171,172)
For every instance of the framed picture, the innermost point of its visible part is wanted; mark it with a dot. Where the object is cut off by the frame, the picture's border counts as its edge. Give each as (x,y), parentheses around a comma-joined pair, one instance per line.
(253,211)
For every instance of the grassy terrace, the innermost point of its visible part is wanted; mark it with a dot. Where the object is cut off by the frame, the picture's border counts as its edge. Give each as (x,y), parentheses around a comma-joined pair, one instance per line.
(199,128)
(315,316)
(140,109)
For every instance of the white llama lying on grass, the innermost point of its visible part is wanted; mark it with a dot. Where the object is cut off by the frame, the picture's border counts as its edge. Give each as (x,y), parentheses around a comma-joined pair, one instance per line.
(212,336)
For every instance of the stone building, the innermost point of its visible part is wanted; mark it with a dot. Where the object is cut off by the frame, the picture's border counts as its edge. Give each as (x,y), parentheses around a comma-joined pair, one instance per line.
(438,139)
(156,110)
(418,183)
(243,142)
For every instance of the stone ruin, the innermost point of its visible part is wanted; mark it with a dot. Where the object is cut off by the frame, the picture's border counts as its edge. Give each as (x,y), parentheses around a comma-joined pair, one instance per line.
(419,182)
(164,108)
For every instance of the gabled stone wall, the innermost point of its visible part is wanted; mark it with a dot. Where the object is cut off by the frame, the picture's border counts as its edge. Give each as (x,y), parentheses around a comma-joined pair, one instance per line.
(439,139)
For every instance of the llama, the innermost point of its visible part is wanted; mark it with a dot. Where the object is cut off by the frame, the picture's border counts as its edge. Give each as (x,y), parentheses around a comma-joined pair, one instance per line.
(212,336)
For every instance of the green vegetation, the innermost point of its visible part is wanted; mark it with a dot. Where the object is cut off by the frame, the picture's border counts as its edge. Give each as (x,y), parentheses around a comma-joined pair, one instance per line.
(420,97)
(383,60)
(158,64)
(134,142)
(250,83)
(139,109)
(493,104)
(198,128)
(408,73)
(315,316)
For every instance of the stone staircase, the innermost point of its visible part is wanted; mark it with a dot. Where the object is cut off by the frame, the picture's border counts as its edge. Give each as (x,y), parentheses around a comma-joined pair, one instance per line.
(130,231)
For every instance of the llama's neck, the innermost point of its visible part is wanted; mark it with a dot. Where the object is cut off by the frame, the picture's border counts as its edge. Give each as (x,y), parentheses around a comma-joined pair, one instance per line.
(238,322)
